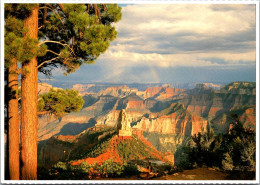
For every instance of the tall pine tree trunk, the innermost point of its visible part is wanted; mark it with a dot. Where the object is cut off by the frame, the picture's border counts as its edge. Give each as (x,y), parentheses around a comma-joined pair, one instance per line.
(13,122)
(29,119)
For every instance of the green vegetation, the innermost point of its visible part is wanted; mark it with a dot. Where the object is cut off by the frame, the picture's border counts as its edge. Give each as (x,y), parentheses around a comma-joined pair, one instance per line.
(60,102)
(95,143)
(98,149)
(42,37)
(232,151)
(228,117)
(17,46)
(133,149)
(85,171)
(65,144)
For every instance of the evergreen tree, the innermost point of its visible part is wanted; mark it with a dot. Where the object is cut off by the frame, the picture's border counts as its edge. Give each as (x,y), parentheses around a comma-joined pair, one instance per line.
(16,50)
(59,102)
(29,119)
(13,122)
(241,146)
(227,162)
(235,150)
(56,36)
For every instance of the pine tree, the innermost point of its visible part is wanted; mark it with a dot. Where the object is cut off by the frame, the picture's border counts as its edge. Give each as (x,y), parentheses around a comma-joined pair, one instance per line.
(70,34)
(60,102)
(227,162)
(16,50)
(13,122)
(29,119)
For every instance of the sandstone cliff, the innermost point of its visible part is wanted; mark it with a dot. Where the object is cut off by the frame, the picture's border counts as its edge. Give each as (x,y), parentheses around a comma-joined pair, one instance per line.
(45,87)
(160,93)
(119,91)
(110,119)
(164,116)
(209,103)
(177,121)
(123,125)
(246,115)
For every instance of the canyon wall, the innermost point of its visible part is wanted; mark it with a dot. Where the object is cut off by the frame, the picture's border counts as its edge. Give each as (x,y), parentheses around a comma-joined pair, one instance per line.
(164,116)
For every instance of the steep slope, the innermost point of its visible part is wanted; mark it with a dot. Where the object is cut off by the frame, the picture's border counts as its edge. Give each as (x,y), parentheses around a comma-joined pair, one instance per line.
(96,144)
(119,91)
(204,103)
(111,118)
(165,122)
(64,148)
(120,149)
(173,120)
(209,103)
(75,122)
(132,103)
(160,93)
(246,115)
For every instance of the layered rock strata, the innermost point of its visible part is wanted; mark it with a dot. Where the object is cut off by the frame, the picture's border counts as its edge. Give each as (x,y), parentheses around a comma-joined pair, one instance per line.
(123,125)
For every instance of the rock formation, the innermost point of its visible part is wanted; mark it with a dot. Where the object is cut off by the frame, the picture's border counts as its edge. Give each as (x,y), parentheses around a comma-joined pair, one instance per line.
(123,125)
(164,116)
(45,87)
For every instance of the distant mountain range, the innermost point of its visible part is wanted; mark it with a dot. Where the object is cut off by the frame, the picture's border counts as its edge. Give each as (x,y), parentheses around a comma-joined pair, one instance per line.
(139,86)
(162,118)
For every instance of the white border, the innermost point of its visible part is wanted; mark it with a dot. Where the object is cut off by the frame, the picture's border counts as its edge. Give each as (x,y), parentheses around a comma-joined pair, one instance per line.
(257,92)
(256,2)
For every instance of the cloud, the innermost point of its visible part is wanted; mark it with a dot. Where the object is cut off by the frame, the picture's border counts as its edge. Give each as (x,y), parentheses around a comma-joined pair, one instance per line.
(168,36)
(176,39)
(159,32)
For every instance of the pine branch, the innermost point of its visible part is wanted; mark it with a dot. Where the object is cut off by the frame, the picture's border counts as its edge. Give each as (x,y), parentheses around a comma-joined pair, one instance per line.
(97,11)
(52,11)
(41,27)
(62,9)
(88,7)
(104,6)
(53,52)
(47,61)
(43,112)
(51,41)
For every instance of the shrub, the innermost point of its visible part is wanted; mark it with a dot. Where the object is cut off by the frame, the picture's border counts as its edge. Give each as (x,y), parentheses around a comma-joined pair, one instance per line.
(232,151)
(61,165)
(110,169)
(130,170)
(227,162)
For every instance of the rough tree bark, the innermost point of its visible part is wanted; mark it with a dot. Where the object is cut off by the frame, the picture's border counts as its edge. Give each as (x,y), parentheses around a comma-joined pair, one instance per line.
(13,122)
(29,119)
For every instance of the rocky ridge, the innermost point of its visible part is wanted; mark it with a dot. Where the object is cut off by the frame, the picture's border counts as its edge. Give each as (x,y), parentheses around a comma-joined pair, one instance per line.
(164,116)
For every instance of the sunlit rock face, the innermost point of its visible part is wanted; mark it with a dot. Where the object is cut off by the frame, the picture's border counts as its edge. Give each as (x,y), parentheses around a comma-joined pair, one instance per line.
(184,124)
(45,87)
(123,125)
(162,115)
(146,109)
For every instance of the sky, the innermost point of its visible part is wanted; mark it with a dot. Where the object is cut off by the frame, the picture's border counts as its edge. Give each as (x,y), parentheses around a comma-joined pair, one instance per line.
(177,43)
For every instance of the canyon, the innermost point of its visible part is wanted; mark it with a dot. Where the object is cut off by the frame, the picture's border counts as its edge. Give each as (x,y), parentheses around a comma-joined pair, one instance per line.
(163,116)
